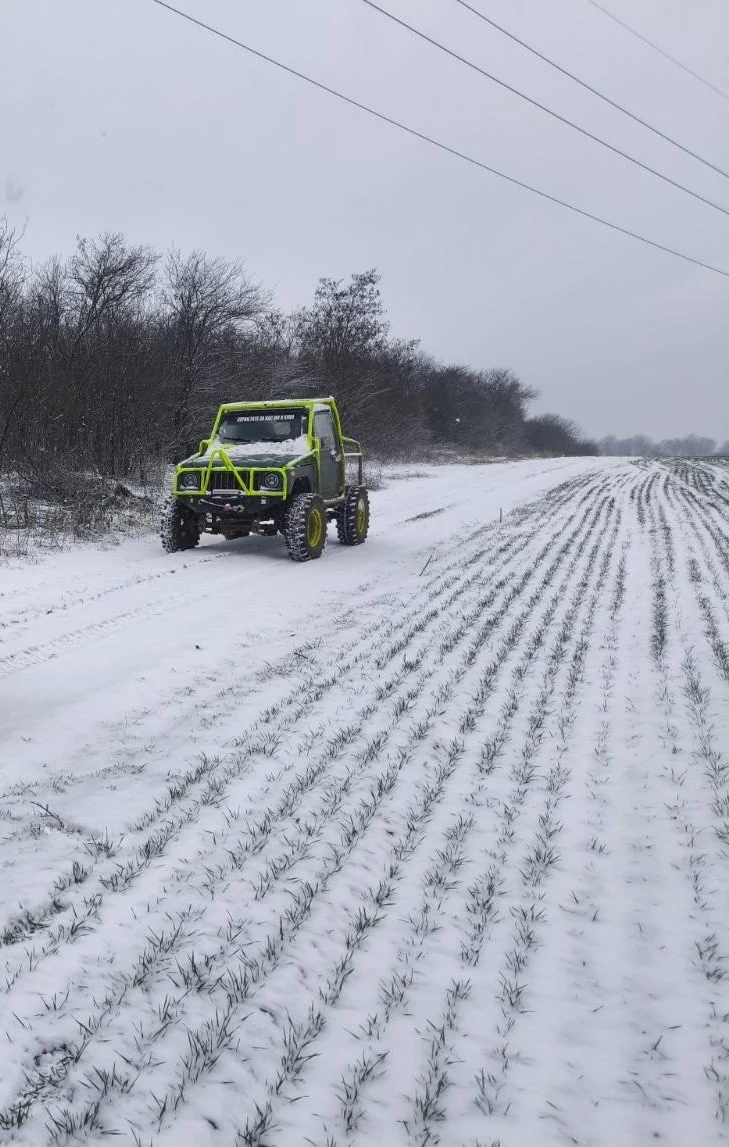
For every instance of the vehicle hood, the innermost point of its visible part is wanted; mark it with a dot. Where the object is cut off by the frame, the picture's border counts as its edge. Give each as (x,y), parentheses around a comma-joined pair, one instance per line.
(276,454)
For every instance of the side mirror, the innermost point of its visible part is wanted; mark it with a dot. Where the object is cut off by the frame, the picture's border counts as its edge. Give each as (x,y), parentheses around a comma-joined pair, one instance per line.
(204,443)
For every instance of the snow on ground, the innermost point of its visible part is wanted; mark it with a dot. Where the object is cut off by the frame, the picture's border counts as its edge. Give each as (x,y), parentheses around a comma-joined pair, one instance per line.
(425,842)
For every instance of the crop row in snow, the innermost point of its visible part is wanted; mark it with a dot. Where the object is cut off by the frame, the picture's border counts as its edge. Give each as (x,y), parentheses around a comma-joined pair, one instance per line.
(419,897)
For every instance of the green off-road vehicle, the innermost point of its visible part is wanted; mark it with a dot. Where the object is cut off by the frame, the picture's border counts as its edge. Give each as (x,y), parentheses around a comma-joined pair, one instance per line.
(268,468)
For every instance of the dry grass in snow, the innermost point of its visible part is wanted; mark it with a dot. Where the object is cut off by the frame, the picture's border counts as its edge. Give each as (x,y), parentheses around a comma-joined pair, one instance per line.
(426,843)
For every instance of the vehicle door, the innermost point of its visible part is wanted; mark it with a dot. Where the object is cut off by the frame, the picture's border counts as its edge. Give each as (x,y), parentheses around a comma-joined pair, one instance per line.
(331,475)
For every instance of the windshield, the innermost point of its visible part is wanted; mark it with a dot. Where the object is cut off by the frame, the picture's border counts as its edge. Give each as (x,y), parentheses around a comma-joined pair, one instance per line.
(263,426)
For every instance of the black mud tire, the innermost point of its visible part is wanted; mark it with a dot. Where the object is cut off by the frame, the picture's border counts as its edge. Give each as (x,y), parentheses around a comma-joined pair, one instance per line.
(179,527)
(305,527)
(353,516)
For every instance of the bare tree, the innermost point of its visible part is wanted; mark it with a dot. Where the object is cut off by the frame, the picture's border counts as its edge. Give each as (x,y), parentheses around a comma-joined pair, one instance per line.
(11,267)
(552,434)
(209,302)
(110,290)
(345,322)
(11,281)
(503,409)
(107,277)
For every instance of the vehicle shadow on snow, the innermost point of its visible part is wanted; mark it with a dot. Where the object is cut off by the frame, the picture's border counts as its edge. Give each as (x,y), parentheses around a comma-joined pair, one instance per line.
(272,549)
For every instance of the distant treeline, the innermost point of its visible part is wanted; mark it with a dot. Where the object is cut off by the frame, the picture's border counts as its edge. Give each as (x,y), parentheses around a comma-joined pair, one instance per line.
(692,446)
(118,356)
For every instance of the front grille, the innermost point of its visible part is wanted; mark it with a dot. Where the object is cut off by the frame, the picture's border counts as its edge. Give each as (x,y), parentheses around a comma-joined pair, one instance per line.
(222,480)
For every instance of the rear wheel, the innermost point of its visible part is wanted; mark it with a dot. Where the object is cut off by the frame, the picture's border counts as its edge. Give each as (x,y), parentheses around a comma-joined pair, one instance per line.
(353,516)
(179,527)
(305,527)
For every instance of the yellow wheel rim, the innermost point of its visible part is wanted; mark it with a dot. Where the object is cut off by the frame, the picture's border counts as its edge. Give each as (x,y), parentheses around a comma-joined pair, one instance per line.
(361,517)
(315,529)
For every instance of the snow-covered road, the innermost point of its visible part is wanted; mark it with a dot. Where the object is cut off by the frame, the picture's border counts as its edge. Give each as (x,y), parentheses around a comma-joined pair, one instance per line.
(100,633)
(424,842)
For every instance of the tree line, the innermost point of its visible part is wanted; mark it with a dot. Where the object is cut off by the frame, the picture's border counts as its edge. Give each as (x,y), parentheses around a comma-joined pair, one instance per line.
(691,446)
(118,356)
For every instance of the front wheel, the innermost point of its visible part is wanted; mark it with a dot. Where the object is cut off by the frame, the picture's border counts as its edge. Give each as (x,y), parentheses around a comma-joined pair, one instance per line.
(305,527)
(179,527)
(353,516)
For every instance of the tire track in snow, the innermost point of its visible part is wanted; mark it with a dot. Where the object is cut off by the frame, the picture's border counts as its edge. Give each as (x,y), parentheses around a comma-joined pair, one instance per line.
(38,654)
(71,599)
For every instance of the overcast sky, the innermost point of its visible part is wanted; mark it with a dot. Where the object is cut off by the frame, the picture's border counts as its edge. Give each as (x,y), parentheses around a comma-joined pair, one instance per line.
(116,115)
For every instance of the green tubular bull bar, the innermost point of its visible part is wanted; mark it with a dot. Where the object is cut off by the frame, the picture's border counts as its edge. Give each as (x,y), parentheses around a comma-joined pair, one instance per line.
(245,487)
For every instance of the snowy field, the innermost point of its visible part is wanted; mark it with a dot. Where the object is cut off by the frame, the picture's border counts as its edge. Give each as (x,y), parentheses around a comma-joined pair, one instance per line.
(426,842)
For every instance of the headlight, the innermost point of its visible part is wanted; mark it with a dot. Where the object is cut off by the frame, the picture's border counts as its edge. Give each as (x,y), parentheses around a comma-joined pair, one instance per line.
(190,480)
(271,482)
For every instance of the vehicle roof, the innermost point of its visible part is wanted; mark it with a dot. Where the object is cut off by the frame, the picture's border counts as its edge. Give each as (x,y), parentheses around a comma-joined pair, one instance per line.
(272,403)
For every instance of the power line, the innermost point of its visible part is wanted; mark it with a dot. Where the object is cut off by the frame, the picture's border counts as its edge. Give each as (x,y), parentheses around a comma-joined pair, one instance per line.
(543,107)
(436,143)
(590,88)
(684,67)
